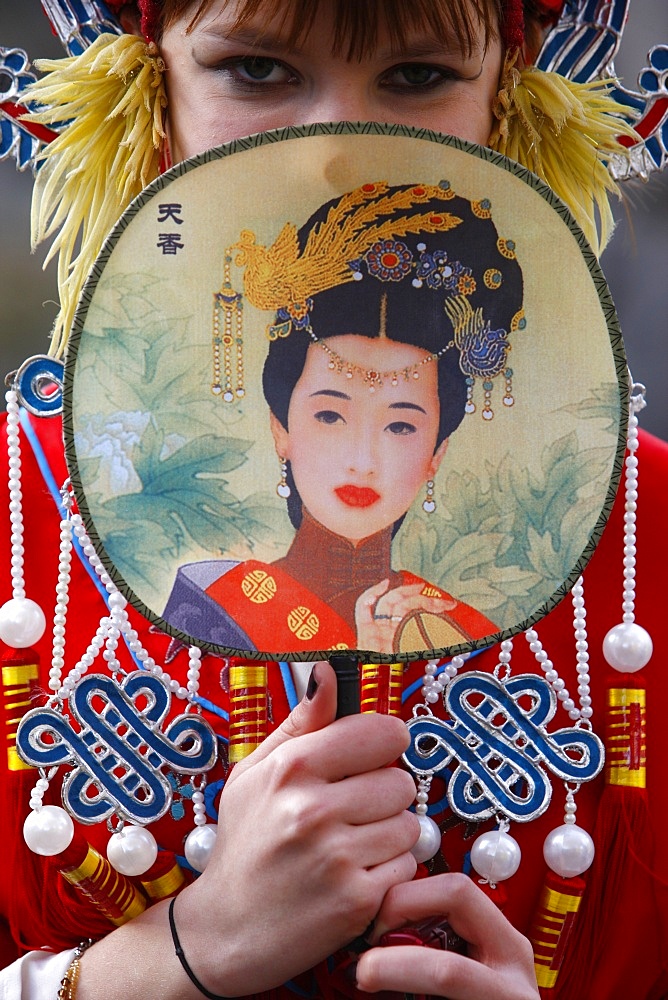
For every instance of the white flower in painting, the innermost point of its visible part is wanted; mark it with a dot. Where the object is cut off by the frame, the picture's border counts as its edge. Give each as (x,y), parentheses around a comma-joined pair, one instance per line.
(112,439)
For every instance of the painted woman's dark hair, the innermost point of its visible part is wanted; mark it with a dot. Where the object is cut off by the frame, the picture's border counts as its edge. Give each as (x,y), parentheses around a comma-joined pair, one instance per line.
(409,280)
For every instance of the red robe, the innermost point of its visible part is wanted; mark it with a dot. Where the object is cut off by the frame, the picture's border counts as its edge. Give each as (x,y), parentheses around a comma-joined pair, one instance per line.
(631,961)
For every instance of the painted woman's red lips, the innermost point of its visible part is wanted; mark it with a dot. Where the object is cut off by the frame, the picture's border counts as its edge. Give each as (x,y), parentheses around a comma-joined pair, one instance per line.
(357,496)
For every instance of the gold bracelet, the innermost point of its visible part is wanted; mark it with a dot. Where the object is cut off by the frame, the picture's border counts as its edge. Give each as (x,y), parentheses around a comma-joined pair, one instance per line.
(68,985)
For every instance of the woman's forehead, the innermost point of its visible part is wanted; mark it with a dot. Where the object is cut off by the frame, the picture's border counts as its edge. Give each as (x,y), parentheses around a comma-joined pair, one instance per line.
(404,371)
(356,26)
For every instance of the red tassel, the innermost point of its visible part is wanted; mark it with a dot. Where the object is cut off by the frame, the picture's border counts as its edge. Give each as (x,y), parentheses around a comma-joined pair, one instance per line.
(20,692)
(111,893)
(381,686)
(164,878)
(248,708)
(552,926)
(622,830)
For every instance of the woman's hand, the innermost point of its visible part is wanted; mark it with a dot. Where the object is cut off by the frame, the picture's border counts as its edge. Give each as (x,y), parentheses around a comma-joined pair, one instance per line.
(499,961)
(380,611)
(313,832)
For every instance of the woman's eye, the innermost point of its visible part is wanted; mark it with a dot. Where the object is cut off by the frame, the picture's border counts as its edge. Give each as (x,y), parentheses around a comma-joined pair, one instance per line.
(261,69)
(416,75)
(401,427)
(329,417)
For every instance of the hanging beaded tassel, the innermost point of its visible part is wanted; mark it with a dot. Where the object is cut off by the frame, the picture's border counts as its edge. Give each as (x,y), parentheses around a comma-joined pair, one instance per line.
(49,830)
(434,683)
(429,841)
(22,621)
(227,343)
(622,829)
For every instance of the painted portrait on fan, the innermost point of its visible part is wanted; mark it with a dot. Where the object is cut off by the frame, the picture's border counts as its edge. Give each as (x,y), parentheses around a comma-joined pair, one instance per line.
(349,423)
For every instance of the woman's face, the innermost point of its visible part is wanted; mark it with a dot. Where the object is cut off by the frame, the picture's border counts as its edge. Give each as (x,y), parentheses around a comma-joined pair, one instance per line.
(359,458)
(224,83)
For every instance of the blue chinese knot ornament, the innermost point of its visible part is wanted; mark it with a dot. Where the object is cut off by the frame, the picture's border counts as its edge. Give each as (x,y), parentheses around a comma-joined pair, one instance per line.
(494,750)
(120,748)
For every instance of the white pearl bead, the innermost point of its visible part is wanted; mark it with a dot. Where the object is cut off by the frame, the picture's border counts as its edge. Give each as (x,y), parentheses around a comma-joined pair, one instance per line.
(22,623)
(132,851)
(48,831)
(627,647)
(496,855)
(199,846)
(429,840)
(568,850)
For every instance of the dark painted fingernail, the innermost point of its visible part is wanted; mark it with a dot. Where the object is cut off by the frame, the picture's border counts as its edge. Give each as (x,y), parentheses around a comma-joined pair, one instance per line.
(312,685)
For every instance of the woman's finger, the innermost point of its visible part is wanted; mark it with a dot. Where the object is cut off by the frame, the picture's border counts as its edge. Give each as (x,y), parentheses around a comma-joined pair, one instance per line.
(403,600)
(366,603)
(372,796)
(313,713)
(352,745)
(409,969)
(376,843)
(471,914)
(499,960)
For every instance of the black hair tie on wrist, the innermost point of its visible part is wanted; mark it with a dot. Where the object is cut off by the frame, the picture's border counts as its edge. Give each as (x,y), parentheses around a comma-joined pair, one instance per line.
(182,958)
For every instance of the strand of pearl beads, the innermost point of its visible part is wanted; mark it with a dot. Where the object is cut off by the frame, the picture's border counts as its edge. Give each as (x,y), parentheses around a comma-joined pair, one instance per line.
(583,712)
(22,624)
(495,855)
(49,830)
(432,686)
(569,850)
(429,840)
(22,621)
(627,647)
(62,596)
(200,842)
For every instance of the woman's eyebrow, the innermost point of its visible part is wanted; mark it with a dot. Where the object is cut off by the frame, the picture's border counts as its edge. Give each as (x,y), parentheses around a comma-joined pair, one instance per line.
(251,38)
(331,392)
(407,406)
(418,49)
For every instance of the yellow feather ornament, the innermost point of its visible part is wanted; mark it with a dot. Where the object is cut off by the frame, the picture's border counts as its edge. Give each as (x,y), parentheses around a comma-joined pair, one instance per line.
(113,98)
(564,132)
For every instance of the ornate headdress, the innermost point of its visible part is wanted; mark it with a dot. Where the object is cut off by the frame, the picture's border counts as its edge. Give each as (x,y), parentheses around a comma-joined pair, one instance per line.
(382,261)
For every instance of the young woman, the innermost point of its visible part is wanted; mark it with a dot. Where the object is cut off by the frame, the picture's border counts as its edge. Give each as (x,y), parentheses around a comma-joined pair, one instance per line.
(314,838)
